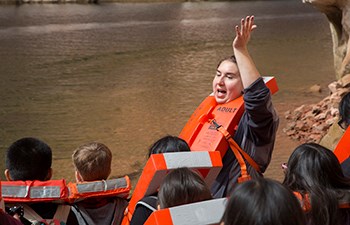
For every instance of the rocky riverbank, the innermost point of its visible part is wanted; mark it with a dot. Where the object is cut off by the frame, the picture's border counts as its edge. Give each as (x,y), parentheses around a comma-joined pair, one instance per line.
(314,123)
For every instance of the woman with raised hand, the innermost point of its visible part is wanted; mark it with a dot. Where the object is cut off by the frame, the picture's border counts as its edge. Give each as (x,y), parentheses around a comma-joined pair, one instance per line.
(256,133)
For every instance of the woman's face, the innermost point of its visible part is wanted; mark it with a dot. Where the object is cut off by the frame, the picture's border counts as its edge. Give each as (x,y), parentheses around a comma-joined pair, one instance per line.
(227,84)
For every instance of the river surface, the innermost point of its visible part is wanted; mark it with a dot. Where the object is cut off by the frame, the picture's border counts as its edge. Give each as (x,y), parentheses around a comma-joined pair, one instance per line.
(127,74)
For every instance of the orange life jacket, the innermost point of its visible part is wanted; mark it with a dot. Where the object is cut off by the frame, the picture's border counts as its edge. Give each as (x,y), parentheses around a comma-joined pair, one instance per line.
(342,150)
(305,201)
(35,191)
(38,191)
(201,134)
(119,187)
(111,188)
(57,191)
(158,165)
(205,212)
(201,131)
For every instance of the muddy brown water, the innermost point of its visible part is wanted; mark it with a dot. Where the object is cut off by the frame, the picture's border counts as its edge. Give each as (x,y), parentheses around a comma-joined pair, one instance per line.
(127,74)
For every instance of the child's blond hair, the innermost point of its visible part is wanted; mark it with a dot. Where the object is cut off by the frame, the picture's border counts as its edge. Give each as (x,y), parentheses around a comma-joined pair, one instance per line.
(93,161)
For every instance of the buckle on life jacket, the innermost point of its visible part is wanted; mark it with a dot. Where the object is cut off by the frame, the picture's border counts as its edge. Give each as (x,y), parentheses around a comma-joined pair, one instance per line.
(220,128)
(217,126)
(238,152)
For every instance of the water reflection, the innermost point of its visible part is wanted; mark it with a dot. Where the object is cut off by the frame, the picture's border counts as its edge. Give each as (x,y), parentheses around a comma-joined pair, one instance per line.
(127,74)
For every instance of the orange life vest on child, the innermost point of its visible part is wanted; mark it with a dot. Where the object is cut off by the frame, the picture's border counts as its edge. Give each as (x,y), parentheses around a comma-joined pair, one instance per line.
(205,212)
(305,201)
(158,165)
(57,191)
(119,187)
(107,197)
(35,191)
(24,192)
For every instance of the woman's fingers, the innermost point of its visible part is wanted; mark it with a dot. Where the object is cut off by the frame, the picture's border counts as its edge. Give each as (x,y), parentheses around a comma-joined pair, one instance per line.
(247,24)
(254,26)
(243,31)
(251,22)
(238,33)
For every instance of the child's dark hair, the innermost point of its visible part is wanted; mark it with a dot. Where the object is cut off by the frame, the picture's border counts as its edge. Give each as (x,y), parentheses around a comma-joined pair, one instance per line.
(29,159)
(182,186)
(315,170)
(344,108)
(264,202)
(168,144)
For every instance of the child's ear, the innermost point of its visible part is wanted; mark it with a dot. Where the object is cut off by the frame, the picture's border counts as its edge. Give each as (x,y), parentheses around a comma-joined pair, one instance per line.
(7,175)
(158,207)
(78,177)
(49,174)
(110,171)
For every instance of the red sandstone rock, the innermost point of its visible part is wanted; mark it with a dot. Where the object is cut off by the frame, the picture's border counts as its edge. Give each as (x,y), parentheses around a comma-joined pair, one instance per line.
(312,122)
(334,86)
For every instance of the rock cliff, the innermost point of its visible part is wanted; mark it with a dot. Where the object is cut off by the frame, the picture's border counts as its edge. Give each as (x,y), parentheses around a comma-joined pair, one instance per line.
(318,122)
(338,15)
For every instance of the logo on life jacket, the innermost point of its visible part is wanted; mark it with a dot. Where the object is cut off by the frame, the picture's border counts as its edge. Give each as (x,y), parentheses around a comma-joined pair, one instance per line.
(226,109)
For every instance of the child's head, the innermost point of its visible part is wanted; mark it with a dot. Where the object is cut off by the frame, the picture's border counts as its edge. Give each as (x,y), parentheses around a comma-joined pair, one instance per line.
(263,202)
(92,161)
(28,159)
(312,166)
(168,144)
(344,111)
(182,186)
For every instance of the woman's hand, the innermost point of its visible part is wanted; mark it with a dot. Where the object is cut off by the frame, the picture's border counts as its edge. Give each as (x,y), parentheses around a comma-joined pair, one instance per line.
(243,33)
(247,69)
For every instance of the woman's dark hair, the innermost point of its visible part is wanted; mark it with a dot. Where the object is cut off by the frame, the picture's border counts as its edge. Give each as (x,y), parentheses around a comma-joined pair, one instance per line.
(263,202)
(344,108)
(231,58)
(314,171)
(168,144)
(182,186)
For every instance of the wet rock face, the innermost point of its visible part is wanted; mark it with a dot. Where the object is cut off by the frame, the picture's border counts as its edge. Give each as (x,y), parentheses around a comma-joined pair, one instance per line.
(310,123)
(338,14)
